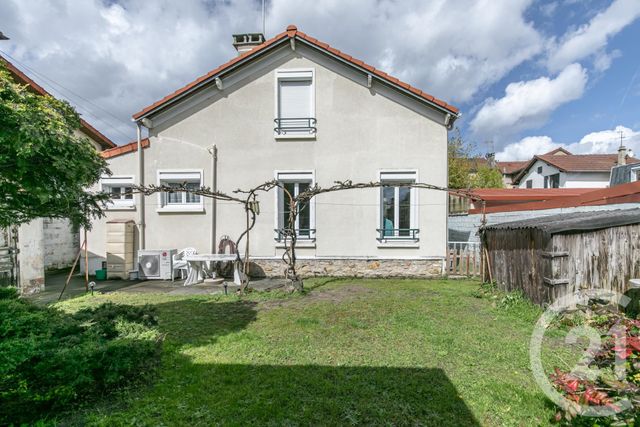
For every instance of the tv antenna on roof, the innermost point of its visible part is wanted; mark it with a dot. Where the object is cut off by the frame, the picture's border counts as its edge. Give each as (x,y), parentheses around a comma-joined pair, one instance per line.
(621,137)
(263,18)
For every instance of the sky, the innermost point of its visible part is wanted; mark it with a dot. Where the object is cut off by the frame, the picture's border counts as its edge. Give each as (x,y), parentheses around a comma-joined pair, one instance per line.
(528,76)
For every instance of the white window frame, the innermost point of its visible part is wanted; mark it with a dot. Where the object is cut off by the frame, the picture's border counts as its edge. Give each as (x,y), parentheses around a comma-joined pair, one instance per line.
(295,176)
(399,175)
(118,181)
(294,74)
(177,175)
(634,174)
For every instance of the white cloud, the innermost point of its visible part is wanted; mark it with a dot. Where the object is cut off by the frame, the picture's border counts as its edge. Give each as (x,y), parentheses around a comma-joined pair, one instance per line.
(526,148)
(126,54)
(591,38)
(527,104)
(601,142)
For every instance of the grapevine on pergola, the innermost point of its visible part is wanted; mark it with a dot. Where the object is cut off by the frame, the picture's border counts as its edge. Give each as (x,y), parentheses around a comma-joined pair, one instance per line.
(250,200)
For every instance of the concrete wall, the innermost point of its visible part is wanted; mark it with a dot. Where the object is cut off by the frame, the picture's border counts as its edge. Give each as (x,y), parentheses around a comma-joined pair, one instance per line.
(31,256)
(361,131)
(463,228)
(61,243)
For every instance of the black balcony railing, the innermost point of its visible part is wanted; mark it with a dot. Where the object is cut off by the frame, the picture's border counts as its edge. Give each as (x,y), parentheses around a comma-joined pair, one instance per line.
(295,126)
(398,233)
(301,233)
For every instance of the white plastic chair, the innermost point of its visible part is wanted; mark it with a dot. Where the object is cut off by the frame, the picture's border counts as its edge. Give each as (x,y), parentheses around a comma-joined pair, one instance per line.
(179,263)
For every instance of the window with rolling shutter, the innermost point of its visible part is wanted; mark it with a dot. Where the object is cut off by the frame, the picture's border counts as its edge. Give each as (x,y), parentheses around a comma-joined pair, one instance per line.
(295,103)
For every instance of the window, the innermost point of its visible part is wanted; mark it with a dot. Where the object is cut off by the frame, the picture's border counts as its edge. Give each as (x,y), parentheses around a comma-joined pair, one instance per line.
(294,183)
(120,188)
(295,104)
(180,200)
(635,174)
(398,213)
(529,183)
(540,169)
(554,180)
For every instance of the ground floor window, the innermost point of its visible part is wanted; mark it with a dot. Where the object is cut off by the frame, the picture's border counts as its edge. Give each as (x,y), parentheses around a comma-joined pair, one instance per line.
(398,206)
(120,189)
(180,200)
(294,183)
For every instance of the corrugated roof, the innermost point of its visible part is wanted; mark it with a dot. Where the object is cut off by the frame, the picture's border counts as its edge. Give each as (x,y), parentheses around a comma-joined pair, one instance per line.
(35,87)
(293,33)
(573,222)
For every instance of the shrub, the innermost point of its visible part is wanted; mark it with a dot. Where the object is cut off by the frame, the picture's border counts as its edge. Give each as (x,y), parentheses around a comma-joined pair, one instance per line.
(51,361)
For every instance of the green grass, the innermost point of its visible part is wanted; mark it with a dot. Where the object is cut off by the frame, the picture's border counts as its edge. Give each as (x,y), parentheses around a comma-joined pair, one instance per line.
(360,352)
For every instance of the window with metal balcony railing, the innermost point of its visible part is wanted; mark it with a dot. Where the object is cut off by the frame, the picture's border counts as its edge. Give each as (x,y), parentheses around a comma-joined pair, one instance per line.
(295,126)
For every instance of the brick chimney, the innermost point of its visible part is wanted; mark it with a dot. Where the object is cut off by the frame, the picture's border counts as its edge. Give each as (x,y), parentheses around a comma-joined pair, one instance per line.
(622,155)
(245,42)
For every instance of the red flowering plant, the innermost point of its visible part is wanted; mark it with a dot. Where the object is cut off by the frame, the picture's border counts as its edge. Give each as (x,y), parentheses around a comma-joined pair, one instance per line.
(609,388)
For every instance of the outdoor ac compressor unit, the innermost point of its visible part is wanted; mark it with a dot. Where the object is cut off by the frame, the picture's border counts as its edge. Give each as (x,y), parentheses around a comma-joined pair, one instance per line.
(155,263)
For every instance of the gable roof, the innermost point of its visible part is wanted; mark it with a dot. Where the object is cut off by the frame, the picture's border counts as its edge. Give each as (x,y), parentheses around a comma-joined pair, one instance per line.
(292,33)
(576,163)
(509,168)
(559,151)
(85,127)
(124,149)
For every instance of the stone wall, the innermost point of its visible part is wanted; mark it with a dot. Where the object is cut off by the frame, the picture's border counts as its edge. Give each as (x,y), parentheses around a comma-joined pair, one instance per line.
(31,257)
(365,268)
(61,243)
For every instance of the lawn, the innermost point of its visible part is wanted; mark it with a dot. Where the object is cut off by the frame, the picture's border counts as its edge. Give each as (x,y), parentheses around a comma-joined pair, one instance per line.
(361,352)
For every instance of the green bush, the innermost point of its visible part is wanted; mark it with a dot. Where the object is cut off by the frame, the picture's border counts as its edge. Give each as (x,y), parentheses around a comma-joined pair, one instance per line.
(51,361)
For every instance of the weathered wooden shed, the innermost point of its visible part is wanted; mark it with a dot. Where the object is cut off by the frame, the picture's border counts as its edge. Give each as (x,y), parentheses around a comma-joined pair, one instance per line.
(549,257)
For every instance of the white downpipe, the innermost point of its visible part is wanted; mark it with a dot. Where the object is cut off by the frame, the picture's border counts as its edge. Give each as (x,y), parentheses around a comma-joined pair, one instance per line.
(141,222)
(213,150)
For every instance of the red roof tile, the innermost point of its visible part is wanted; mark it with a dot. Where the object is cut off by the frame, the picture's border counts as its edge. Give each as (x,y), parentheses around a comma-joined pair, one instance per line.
(510,168)
(584,162)
(124,149)
(35,87)
(292,32)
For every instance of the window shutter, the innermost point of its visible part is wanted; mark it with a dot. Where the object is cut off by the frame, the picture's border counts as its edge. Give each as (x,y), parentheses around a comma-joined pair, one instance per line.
(295,98)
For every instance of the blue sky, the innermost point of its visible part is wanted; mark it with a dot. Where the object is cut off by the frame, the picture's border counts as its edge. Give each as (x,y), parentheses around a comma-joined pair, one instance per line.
(528,75)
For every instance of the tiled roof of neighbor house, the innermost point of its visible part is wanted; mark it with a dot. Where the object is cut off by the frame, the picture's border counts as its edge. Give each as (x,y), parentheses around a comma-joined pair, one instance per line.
(559,151)
(510,168)
(293,33)
(84,126)
(124,149)
(553,198)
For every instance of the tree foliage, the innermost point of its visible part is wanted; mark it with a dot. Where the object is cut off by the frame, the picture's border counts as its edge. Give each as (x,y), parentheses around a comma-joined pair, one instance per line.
(46,165)
(464,171)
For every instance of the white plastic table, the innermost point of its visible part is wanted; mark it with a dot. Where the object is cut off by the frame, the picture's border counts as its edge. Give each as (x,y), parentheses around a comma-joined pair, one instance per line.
(198,268)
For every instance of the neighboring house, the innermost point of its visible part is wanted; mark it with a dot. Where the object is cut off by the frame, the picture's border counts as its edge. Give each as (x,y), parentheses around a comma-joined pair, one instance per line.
(562,169)
(48,242)
(297,110)
(510,170)
(624,173)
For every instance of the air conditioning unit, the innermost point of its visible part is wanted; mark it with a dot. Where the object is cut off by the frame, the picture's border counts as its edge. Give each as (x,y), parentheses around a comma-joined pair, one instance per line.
(155,263)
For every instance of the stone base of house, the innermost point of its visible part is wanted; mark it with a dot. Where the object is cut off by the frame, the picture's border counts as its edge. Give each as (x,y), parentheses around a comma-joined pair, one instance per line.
(365,268)
(33,286)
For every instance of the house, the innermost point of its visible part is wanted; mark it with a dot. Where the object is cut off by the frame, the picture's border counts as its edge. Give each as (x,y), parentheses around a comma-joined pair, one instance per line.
(509,170)
(297,110)
(624,173)
(554,256)
(561,169)
(47,242)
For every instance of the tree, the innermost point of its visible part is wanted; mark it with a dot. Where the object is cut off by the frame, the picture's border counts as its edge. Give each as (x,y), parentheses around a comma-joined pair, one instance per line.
(45,165)
(458,154)
(487,177)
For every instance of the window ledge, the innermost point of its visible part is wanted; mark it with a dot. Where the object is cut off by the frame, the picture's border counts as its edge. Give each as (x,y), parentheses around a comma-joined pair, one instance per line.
(181,209)
(393,244)
(120,208)
(299,244)
(309,137)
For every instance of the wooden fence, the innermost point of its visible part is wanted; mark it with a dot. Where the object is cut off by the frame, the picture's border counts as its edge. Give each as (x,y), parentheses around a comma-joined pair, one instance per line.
(464,259)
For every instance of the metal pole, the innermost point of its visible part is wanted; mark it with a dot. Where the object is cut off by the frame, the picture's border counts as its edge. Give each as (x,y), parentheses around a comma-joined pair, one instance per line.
(86,262)
(141,224)
(214,201)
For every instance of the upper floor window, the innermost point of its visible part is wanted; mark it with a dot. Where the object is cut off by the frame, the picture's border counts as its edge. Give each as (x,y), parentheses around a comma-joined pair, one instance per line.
(294,183)
(529,183)
(398,213)
(120,188)
(180,200)
(295,104)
